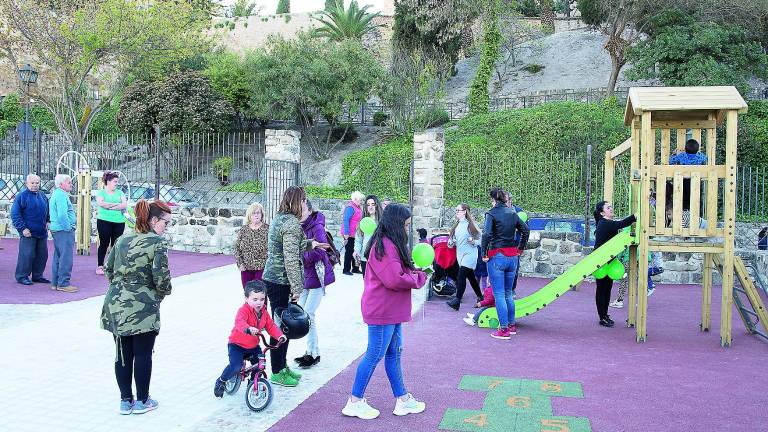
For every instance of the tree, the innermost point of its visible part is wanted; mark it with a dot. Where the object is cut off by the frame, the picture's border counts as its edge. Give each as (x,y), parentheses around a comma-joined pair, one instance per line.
(433,26)
(517,35)
(414,91)
(547,16)
(283,6)
(338,24)
(228,76)
(329,4)
(243,9)
(184,102)
(312,79)
(479,98)
(97,43)
(699,54)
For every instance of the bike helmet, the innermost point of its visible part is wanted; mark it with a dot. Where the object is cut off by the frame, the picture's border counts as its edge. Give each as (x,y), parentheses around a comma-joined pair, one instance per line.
(295,321)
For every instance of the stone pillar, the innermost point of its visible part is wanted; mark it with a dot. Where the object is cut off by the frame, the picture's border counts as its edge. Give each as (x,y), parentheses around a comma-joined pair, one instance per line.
(428,179)
(281,166)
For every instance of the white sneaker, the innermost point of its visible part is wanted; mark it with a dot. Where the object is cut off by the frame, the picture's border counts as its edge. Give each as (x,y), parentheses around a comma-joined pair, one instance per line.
(360,409)
(618,304)
(470,315)
(651,291)
(410,406)
(470,322)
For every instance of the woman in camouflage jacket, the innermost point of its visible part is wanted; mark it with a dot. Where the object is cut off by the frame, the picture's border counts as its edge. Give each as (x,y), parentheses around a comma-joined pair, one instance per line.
(284,271)
(139,279)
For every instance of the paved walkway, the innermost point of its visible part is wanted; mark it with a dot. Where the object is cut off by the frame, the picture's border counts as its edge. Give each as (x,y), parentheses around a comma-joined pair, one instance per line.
(83,274)
(57,368)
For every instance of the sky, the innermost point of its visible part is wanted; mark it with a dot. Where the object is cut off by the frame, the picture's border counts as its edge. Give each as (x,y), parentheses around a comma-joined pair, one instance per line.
(269,6)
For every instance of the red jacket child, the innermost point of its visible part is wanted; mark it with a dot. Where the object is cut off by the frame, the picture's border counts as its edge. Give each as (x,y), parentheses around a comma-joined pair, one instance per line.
(488,299)
(248,317)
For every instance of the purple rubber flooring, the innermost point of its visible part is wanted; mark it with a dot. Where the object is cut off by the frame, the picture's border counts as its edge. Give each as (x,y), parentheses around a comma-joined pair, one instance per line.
(679,380)
(83,276)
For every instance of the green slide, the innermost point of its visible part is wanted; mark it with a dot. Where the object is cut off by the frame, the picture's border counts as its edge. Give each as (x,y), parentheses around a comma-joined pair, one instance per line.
(538,300)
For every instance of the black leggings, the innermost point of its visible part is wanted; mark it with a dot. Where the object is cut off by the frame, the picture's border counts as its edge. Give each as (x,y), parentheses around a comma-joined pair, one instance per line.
(109,232)
(461,282)
(603,295)
(134,361)
(349,250)
(279,296)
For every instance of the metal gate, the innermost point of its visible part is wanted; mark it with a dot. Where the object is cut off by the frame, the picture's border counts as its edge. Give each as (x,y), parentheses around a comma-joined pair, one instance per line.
(278,176)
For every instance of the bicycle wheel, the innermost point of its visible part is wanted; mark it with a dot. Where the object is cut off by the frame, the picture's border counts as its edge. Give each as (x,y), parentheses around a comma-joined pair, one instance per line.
(233,384)
(258,394)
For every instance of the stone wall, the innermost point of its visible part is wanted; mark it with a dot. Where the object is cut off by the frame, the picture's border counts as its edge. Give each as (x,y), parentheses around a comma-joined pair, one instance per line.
(428,178)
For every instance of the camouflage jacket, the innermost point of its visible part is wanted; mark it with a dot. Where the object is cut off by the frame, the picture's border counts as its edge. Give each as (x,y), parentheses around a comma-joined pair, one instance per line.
(285,249)
(139,279)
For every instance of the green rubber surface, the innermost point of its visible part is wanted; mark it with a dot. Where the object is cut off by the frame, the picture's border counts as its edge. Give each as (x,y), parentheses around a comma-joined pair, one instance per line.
(562,284)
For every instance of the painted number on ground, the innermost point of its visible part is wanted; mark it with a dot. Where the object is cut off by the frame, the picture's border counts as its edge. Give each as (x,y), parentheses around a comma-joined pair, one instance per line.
(515,405)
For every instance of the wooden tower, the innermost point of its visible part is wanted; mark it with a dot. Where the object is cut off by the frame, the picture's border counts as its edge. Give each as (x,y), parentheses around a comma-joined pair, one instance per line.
(662,119)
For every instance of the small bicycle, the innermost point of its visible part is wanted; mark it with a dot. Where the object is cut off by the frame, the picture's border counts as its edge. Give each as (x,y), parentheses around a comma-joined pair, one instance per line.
(258,394)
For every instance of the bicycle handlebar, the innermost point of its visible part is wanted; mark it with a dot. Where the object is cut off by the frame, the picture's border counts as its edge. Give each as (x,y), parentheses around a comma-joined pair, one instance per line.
(266,345)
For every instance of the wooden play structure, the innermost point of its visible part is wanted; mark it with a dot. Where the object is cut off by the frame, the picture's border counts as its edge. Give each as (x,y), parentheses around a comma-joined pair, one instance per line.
(662,119)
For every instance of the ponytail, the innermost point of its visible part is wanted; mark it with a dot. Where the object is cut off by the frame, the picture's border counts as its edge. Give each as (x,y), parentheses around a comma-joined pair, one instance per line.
(498,195)
(145,211)
(598,213)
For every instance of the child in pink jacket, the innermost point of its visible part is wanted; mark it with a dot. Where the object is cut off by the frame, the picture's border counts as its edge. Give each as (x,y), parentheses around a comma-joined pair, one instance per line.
(488,301)
(386,304)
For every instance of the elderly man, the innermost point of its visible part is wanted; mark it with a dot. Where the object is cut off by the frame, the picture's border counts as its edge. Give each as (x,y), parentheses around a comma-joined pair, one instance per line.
(63,223)
(29,214)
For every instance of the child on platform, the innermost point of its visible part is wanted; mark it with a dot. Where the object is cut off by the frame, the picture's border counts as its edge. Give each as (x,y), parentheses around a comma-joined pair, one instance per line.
(251,319)
(690,156)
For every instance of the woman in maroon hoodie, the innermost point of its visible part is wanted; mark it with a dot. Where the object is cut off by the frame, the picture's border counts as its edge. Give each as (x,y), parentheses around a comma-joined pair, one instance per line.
(390,276)
(318,273)
(251,319)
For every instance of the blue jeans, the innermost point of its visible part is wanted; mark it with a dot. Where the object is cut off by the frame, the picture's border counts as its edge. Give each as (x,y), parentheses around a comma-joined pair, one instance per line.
(33,254)
(236,355)
(63,248)
(310,301)
(384,341)
(479,312)
(501,272)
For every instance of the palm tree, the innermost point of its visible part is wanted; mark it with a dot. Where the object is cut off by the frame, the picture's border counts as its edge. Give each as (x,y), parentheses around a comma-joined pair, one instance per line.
(339,24)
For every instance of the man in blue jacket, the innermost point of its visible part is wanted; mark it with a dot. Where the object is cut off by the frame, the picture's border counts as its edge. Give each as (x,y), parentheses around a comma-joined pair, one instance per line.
(63,224)
(29,214)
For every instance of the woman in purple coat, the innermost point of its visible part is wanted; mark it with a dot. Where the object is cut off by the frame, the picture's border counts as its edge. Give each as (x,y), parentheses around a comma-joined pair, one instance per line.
(318,273)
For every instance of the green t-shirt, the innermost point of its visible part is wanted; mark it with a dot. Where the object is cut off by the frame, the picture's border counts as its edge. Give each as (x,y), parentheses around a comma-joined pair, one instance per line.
(115,197)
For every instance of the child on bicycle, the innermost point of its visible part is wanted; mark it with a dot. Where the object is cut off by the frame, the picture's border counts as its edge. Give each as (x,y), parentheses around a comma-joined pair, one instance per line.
(251,319)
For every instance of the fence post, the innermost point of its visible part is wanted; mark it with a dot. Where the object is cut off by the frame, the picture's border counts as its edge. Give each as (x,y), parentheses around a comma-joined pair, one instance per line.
(587,204)
(39,161)
(282,160)
(157,162)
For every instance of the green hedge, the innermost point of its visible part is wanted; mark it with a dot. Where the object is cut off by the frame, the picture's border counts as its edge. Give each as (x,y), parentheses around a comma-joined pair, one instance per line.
(383,170)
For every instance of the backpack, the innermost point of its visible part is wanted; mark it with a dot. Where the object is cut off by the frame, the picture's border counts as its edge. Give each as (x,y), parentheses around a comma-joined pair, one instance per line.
(333,254)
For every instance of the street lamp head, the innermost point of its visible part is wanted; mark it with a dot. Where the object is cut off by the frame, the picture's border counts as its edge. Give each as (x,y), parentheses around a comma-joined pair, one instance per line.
(27,74)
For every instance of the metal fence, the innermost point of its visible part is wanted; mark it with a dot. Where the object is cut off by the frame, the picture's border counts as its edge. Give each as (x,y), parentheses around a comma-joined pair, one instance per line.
(190,169)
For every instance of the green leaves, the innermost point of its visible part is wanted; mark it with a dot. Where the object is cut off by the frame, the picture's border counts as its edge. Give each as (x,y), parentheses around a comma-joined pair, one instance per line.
(490,50)
(339,24)
(699,54)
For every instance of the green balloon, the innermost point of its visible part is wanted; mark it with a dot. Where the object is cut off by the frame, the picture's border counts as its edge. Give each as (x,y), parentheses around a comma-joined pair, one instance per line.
(523,216)
(600,272)
(423,254)
(615,270)
(367,225)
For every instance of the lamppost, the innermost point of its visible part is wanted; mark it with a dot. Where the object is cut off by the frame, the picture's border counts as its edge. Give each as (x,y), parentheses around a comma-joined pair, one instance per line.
(27,76)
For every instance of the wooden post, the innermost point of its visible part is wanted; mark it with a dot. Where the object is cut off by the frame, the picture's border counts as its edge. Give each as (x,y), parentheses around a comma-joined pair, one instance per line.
(729,212)
(634,206)
(647,153)
(706,289)
(680,142)
(609,172)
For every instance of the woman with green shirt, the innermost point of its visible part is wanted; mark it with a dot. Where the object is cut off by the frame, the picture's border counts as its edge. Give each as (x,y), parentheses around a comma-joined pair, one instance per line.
(110,221)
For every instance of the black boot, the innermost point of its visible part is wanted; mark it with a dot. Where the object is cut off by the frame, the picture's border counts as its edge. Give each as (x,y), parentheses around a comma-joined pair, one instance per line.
(454,303)
(605,322)
(218,388)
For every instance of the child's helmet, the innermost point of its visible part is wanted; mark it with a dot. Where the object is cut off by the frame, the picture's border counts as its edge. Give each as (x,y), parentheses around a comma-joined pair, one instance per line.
(295,321)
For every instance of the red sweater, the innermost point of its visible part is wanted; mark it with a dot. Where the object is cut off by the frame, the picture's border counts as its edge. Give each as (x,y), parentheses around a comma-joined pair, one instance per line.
(488,299)
(246,317)
(387,287)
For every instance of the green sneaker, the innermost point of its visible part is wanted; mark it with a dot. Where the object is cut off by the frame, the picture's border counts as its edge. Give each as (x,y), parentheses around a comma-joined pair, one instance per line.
(294,375)
(282,378)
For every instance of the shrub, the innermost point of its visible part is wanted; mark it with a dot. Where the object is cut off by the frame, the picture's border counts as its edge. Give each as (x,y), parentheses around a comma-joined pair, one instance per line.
(383,169)
(252,186)
(434,117)
(331,192)
(380,118)
(533,68)
(222,167)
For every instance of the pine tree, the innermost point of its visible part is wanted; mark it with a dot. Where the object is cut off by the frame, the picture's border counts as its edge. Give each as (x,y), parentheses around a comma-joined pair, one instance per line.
(283,6)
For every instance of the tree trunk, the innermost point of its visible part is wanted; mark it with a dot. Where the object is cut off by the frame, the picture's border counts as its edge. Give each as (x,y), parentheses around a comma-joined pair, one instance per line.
(547,17)
(616,65)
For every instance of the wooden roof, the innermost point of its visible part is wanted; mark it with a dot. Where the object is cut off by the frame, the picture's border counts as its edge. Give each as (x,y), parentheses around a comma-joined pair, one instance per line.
(682,99)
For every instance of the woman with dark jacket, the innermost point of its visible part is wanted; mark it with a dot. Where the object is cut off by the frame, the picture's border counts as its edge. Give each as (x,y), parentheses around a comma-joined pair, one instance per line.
(606,228)
(501,250)
(318,273)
